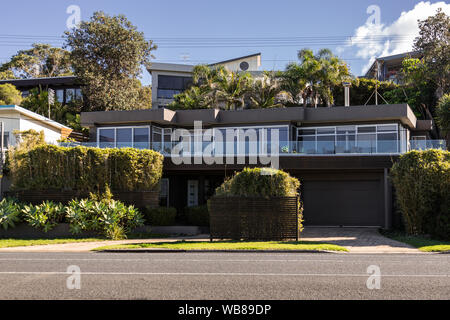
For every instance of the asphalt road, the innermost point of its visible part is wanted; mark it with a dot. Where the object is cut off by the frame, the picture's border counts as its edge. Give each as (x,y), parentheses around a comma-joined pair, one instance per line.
(200,276)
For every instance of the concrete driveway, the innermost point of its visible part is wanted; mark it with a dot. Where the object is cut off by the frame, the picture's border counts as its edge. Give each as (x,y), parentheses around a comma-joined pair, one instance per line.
(357,240)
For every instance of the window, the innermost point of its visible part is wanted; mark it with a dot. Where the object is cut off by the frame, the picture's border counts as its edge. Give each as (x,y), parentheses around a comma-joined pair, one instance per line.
(365,139)
(162,139)
(168,86)
(124,137)
(5,140)
(60,95)
(107,138)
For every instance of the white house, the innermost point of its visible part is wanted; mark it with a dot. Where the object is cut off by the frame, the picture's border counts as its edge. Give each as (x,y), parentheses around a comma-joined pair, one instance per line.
(20,119)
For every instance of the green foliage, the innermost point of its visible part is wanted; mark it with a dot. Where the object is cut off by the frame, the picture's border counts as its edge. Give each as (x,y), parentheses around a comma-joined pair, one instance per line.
(10,213)
(41,61)
(260,182)
(107,56)
(106,217)
(45,216)
(198,216)
(434,42)
(443,114)
(361,91)
(9,95)
(161,216)
(68,114)
(422,183)
(85,170)
(6,75)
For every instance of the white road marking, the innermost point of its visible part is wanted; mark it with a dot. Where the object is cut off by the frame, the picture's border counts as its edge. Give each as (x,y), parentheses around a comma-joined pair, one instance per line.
(228,274)
(161,260)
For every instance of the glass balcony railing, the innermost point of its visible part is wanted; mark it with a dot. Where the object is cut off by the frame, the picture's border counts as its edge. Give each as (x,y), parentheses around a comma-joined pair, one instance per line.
(323,147)
(428,144)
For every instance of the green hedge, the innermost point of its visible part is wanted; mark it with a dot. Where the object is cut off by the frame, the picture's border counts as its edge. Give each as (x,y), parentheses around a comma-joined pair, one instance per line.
(260,182)
(161,216)
(422,183)
(84,169)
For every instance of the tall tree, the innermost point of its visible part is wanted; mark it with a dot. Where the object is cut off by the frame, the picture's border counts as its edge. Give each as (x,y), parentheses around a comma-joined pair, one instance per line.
(434,42)
(443,116)
(107,54)
(42,60)
(9,95)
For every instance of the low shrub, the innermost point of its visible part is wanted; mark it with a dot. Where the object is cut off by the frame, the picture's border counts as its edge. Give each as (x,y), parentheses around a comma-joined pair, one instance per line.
(197,216)
(45,216)
(260,182)
(108,218)
(10,213)
(422,183)
(161,216)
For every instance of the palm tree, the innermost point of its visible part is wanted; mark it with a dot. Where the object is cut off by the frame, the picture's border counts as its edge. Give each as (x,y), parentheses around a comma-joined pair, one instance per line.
(231,88)
(264,92)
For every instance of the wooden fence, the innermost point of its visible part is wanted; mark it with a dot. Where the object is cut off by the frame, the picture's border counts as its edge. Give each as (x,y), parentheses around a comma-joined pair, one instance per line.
(239,218)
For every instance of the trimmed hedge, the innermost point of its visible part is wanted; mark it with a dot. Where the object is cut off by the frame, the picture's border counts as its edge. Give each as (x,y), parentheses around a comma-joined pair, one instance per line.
(260,182)
(160,216)
(84,170)
(422,183)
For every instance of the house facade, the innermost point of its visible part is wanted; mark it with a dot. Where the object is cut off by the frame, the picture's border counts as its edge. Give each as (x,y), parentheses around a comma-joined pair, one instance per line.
(15,118)
(66,89)
(342,155)
(388,68)
(170,79)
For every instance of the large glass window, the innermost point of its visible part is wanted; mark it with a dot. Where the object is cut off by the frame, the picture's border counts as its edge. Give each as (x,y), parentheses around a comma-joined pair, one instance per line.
(141,138)
(364,139)
(107,138)
(168,86)
(162,139)
(124,137)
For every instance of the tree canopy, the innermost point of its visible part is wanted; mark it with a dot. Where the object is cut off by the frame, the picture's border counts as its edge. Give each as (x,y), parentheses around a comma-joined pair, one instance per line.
(108,54)
(42,60)
(9,95)
(434,42)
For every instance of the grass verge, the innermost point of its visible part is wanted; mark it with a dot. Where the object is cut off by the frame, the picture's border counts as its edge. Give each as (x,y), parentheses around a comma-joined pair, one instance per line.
(229,245)
(14,243)
(424,244)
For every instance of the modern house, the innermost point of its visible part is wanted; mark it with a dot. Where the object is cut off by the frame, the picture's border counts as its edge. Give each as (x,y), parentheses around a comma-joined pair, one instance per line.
(388,68)
(342,155)
(169,79)
(66,88)
(15,118)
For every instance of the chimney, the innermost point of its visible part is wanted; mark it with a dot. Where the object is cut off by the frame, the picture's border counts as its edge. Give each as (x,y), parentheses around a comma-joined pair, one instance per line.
(347,86)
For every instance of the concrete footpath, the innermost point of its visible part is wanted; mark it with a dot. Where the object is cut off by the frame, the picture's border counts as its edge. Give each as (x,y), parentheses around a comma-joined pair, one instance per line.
(356,240)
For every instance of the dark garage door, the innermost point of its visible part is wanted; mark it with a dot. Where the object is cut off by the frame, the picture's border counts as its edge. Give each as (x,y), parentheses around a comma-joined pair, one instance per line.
(343,203)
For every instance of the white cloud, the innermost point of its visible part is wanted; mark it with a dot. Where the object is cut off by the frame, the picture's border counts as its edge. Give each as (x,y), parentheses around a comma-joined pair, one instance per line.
(376,40)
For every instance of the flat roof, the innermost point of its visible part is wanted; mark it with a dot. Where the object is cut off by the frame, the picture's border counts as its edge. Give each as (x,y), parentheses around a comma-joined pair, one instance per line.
(40,81)
(320,116)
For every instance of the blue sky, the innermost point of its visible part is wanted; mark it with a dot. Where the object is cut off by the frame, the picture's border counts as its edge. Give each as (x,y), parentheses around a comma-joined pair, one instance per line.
(227,19)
